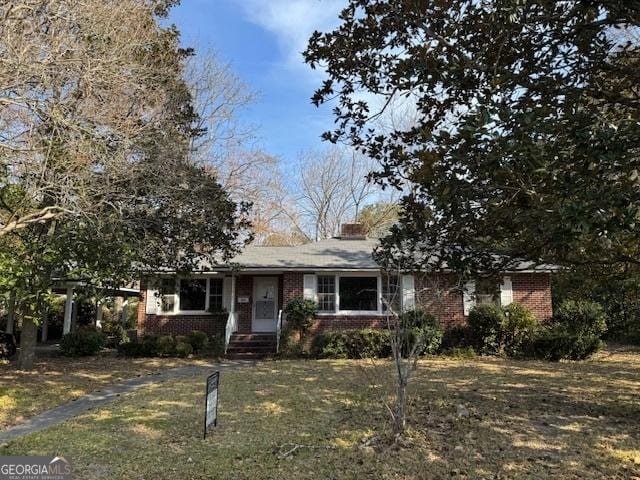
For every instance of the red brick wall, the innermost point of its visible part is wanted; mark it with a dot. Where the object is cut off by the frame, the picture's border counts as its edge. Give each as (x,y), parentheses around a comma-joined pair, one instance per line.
(437,294)
(440,295)
(182,324)
(244,288)
(533,290)
(292,287)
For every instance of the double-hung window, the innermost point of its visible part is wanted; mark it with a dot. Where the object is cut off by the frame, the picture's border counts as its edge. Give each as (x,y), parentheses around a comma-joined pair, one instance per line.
(391,293)
(487,291)
(167,292)
(215,295)
(326,293)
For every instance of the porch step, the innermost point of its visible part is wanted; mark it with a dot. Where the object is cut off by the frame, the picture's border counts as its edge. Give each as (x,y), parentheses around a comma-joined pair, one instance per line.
(251,346)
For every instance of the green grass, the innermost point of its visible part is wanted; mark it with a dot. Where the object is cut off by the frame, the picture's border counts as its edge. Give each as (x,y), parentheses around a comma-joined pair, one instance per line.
(529,420)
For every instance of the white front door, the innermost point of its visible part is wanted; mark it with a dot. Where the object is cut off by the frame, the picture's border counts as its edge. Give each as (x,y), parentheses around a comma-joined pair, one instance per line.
(265,304)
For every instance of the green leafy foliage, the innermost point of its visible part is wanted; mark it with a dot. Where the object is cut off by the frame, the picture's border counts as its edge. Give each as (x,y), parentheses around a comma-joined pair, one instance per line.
(300,314)
(166,345)
(183,349)
(518,328)
(420,332)
(581,317)
(557,343)
(198,340)
(618,292)
(456,337)
(83,342)
(485,325)
(115,334)
(524,130)
(365,343)
(289,347)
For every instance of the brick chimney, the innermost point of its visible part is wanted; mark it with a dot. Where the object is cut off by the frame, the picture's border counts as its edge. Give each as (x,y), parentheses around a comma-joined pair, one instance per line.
(352,231)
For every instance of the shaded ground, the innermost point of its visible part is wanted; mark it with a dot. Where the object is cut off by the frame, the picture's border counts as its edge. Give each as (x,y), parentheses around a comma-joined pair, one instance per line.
(57,380)
(528,420)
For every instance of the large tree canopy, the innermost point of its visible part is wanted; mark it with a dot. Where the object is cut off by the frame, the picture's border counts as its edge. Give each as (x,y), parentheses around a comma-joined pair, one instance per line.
(524,134)
(96,180)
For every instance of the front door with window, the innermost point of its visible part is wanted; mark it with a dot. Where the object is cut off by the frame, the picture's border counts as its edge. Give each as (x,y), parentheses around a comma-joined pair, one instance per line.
(265,304)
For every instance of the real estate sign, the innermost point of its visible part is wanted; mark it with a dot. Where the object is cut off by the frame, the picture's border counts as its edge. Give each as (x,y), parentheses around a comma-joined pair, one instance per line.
(211,402)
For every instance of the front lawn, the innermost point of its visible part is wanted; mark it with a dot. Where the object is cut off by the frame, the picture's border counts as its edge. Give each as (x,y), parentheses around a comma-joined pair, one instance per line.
(528,420)
(56,380)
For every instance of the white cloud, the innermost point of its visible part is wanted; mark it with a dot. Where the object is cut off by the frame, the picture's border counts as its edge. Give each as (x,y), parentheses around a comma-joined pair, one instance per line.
(292,22)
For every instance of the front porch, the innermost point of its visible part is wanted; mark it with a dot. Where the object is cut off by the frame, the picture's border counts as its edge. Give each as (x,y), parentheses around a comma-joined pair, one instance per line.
(229,304)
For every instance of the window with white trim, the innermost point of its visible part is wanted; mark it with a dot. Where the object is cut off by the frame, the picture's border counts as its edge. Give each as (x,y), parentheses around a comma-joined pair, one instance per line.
(391,293)
(189,295)
(167,292)
(359,294)
(215,295)
(193,295)
(326,293)
(487,291)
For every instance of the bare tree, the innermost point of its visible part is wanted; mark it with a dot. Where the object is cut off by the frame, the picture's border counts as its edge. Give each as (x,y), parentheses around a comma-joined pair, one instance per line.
(330,189)
(228,146)
(410,331)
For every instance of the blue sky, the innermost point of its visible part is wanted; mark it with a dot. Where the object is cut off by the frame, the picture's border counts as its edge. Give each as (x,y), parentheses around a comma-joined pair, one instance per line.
(263,41)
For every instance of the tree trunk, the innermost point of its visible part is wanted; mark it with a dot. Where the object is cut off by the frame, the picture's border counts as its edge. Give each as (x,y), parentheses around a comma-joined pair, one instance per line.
(400,419)
(11,313)
(28,340)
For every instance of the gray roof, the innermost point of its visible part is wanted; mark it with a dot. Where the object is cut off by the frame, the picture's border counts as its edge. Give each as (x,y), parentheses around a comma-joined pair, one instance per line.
(333,253)
(330,254)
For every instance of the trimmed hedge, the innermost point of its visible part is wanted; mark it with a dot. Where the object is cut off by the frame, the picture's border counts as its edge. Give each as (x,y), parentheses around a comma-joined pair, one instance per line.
(519,327)
(456,337)
(169,345)
(581,317)
(485,325)
(198,340)
(83,342)
(416,328)
(556,343)
(365,343)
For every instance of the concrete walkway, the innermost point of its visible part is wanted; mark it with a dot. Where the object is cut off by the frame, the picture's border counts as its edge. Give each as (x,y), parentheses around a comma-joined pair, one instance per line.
(103,396)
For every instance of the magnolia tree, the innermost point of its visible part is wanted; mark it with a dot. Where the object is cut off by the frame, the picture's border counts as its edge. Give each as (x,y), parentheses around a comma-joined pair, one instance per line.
(525,124)
(95,128)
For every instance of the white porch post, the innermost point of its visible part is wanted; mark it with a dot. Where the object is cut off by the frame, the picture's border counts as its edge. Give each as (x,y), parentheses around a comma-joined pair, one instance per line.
(11,314)
(68,308)
(98,314)
(125,312)
(232,305)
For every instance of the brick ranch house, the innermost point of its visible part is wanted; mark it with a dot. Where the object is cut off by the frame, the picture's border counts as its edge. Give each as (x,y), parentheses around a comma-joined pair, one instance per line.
(245,303)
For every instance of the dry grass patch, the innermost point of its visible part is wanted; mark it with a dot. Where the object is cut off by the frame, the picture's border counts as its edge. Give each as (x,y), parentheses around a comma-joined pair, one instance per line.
(56,380)
(529,420)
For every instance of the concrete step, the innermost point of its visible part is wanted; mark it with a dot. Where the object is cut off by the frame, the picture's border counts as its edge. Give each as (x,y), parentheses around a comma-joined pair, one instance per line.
(251,346)
(247,356)
(244,348)
(267,337)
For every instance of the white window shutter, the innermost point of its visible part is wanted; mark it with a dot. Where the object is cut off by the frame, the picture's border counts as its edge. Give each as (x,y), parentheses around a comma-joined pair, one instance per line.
(506,292)
(226,293)
(309,287)
(152,298)
(469,296)
(408,293)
